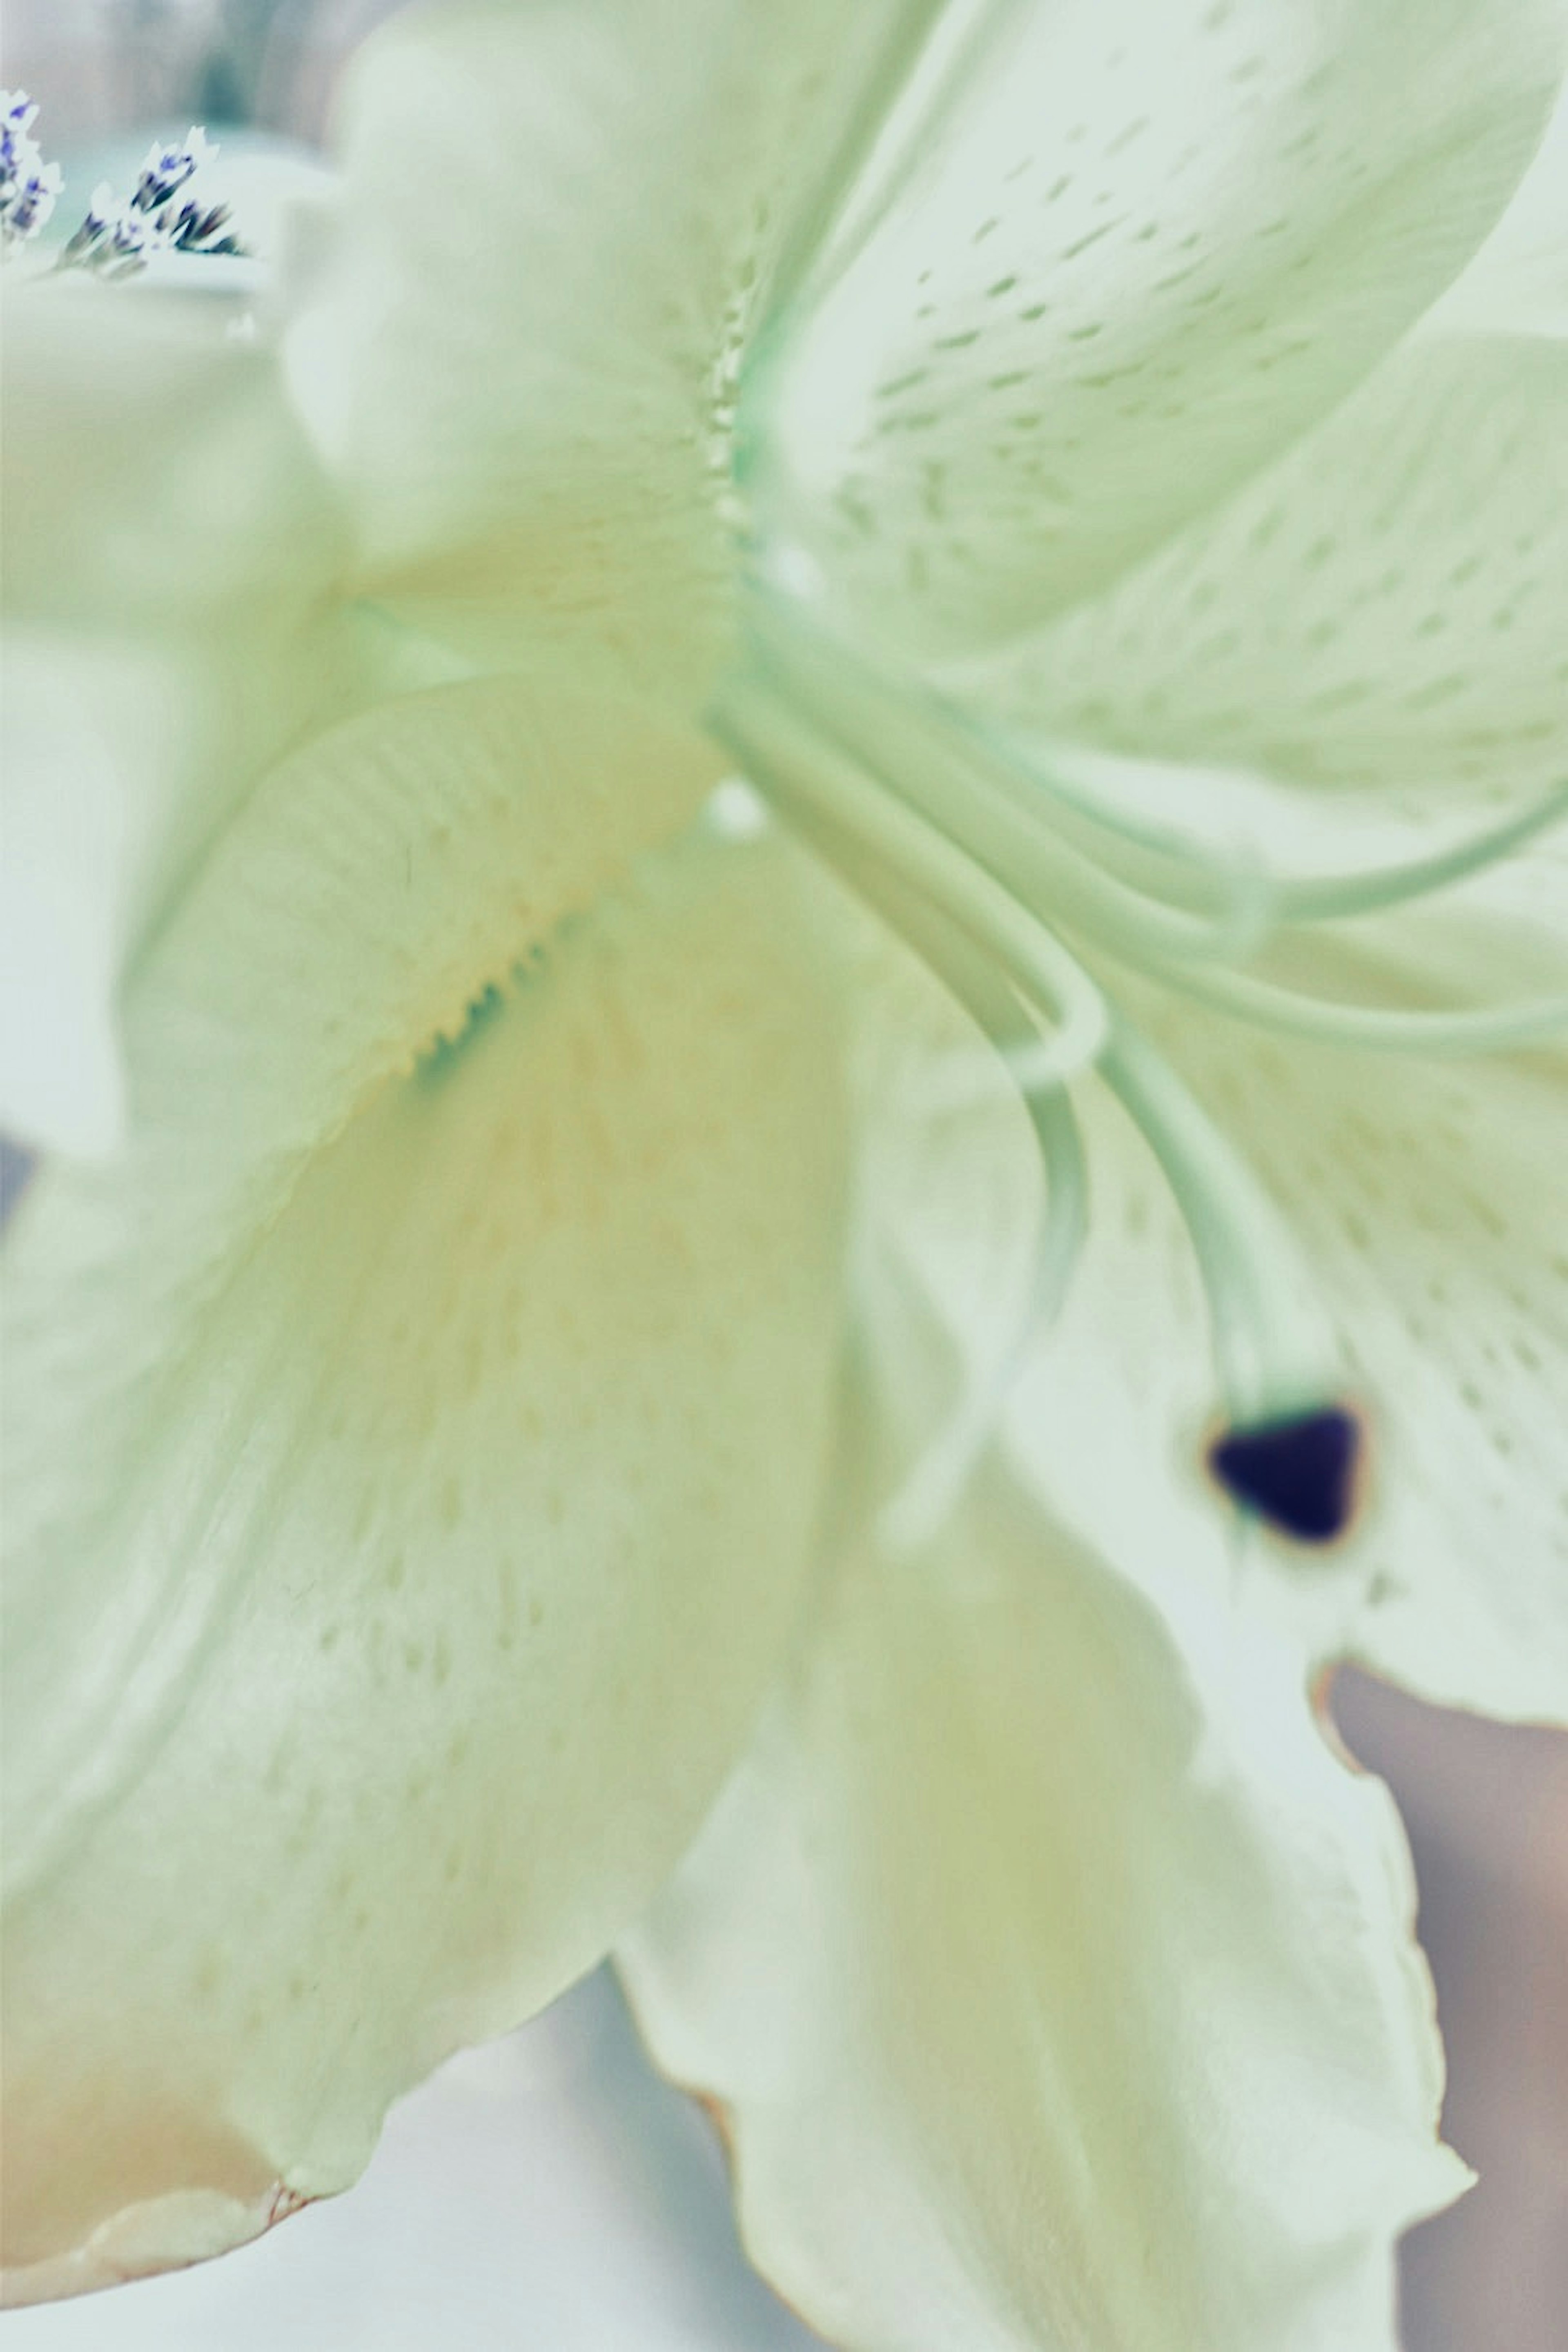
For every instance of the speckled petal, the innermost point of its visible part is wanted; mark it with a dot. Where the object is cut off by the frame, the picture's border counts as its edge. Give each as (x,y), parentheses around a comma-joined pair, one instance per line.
(1055,1982)
(1373,633)
(413,1444)
(1132,255)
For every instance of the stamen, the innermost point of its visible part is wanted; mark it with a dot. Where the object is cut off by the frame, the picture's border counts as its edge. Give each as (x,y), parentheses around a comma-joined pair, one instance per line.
(1300,1474)
(1069,790)
(917,1512)
(1473,1029)
(1194,875)
(1291,1451)
(831,798)
(1326,898)
(1224,924)
(930,835)
(1464,1030)
(1000,812)
(1020,1039)
(1018,820)
(1271,1343)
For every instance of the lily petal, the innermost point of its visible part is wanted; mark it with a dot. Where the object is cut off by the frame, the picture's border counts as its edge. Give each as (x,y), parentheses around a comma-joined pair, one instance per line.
(169,545)
(519,339)
(1127,257)
(1357,668)
(1518,281)
(409,1494)
(1054,1984)
(1378,622)
(1421,1195)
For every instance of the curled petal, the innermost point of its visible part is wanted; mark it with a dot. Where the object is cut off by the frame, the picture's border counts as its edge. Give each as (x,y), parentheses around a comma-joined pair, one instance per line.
(1055,1982)
(171,551)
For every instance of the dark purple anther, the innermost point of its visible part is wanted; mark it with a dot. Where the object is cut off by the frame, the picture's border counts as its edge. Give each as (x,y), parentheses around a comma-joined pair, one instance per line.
(1299,1473)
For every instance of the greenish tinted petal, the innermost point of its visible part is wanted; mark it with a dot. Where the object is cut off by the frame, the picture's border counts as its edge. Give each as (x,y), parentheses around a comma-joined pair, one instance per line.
(401,1535)
(1422,1194)
(521,340)
(1134,258)
(1056,1985)
(1518,283)
(169,547)
(1382,617)
(1357,668)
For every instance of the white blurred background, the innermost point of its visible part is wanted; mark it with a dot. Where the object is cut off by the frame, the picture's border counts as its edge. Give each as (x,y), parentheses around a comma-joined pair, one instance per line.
(549,2194)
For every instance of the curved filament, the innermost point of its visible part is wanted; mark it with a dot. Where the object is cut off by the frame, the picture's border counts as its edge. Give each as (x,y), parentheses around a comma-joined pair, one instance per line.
(916,1512)
(1271,1345)
(929,759)
(824,791)
(1470,1029)
(931,828)
(1326,898)
(1199,918)
(1041,1014)
(1200,877)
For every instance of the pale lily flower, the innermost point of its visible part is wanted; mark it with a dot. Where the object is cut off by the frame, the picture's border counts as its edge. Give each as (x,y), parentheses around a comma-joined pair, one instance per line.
(1096,472)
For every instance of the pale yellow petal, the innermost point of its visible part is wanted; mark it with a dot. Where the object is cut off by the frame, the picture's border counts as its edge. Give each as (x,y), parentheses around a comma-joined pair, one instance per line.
(404,1527)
